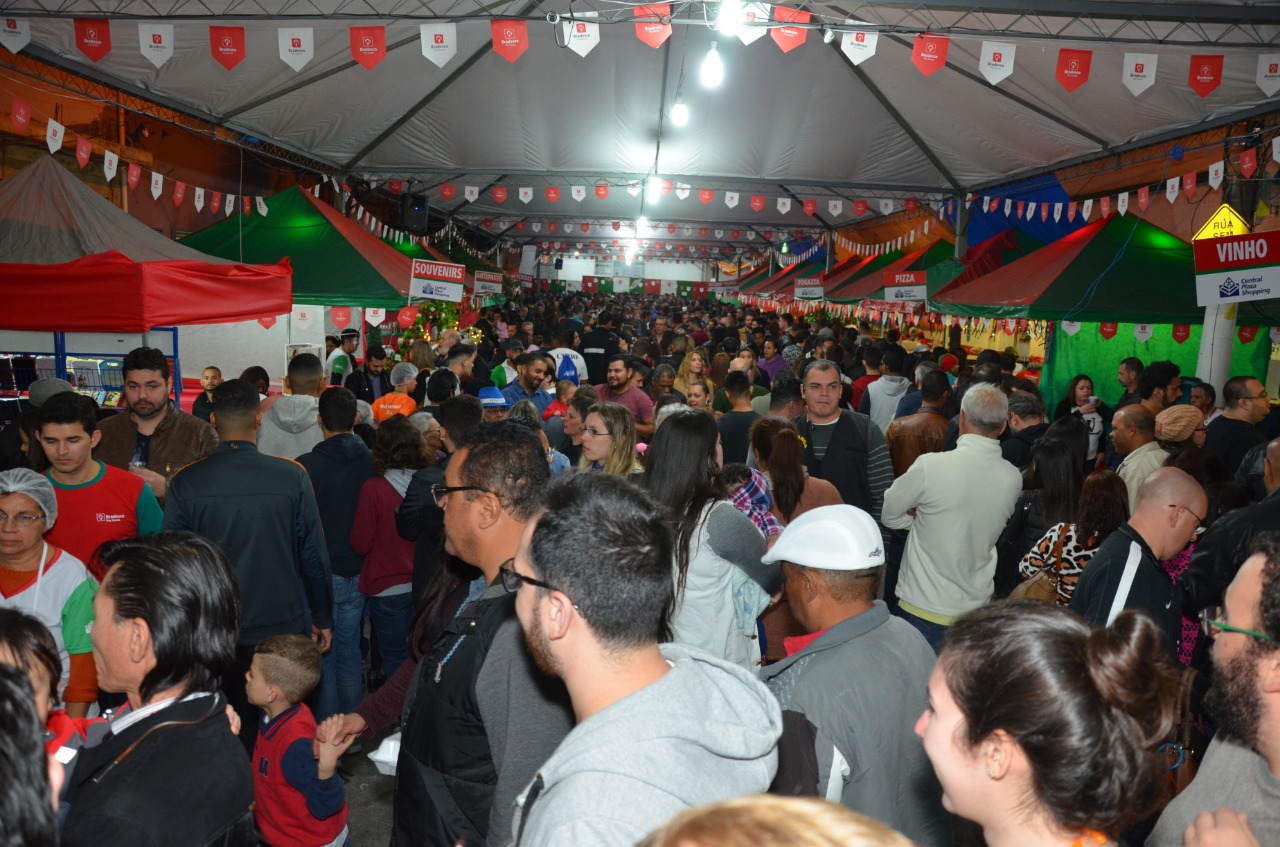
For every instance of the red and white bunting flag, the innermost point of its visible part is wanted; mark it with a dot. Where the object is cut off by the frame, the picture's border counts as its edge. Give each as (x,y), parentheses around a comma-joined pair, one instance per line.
(395,186)
(1248,161)
(20,115)
(439,42)
(179,192)
(1189,184)
(991,204)
(886,207)
(1122,203)
(133,175)
(1031,209)
(585,227)
(15,33)
(706,195)
(859,208)
(1215,174)
(859,44)
(267,322)
(1044,214)
(1022,205)
(84,149)
(578,192)
(634,188)
(54,134)
(447,191)
(93,37)
(912,204)
(602,191)
(198,199)
(471,193)
(553,226)
(368,45)
(1073,67)
(757,202)
(110,162)
(929,54)
(1181,332)
(226,43)
(157,185)
(1246,334)
(1008,206)
(731,199)
(228,205)
(787,37)
(1086,209)
(1108,329)
(835,207)
(582,33)
(650,25)
(702,232)
(156,42)
(1268,77)
(1142,332)
(525,194)
(1071,211)
(552,193)
(1139,72)
(1144,198)
(510,38)
(297,46)
(1205,74)
(1105,202)
(784,205)
(754,17)
(996,62)
(1171,188)
(667,187)
(671,230)
(810,207)
(499,194)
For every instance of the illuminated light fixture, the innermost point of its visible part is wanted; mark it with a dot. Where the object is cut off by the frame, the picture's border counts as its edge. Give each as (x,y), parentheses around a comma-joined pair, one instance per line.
(712,71)
(679,112)
(641,223)
(729,17)
(653,192)
(828,35)
(785,248)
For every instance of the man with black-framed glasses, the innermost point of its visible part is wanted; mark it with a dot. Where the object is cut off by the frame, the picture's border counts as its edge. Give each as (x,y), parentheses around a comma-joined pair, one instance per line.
(1235,431)
(1241,768)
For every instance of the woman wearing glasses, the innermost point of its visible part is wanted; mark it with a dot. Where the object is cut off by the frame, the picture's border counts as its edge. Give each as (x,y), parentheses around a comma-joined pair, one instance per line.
(1045,730)
(609,441)
(49,584)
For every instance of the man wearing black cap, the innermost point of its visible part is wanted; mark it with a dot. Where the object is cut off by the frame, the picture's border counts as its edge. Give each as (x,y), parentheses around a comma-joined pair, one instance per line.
(504,374)
(342,360)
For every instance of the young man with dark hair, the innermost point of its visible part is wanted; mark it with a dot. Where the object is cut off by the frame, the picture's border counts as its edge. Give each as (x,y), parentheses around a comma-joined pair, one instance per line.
(1127,375)
(371,380)
(531,373)
(1235,431)
(660,727)
(96,502)
(1159,386)
(735,424)
(289,423)
(618,388)
(342,360)
(880,399)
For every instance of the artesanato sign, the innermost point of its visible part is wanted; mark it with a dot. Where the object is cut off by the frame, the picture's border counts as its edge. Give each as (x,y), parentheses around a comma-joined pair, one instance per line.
(808,289)
(904,285)
(1238,268)
(488,282)
(437,280)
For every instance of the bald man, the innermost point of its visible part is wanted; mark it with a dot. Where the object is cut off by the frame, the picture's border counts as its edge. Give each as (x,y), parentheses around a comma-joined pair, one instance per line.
(1125,572)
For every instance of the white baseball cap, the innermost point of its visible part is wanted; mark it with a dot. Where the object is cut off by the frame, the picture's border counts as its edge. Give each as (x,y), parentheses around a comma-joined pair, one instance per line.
(830,538)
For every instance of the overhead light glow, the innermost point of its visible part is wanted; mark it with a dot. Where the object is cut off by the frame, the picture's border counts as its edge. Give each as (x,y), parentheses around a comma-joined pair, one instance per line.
(641,223)
(729,17)
(679,112)
(653,193)
(712,71)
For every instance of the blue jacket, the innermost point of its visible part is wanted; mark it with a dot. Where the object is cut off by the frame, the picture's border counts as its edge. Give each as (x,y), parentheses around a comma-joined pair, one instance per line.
(338,466)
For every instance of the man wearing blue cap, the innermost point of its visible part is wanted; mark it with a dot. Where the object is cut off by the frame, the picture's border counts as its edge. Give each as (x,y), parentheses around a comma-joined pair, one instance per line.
(851,687)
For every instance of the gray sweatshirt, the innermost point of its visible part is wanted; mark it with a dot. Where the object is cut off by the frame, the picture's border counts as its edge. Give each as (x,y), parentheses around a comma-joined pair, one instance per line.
(705,732)
(291,427)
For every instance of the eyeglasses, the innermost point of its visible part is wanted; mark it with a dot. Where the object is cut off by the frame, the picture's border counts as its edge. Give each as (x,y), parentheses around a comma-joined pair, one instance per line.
(593,432)
(440,492)
(1211,619)
(1200,527)
(23,519)
(1262,396)
(512,578)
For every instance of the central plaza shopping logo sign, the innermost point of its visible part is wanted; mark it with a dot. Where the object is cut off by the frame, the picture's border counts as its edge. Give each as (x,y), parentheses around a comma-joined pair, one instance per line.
(437,280)
(1237,268)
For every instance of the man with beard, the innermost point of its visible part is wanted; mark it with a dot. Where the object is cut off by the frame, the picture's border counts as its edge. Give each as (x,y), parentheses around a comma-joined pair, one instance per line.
(661,727)
(1241,768)
(154,438)
(618,388)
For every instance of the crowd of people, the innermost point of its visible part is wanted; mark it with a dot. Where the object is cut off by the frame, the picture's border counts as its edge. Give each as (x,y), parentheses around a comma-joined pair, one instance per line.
(644,570)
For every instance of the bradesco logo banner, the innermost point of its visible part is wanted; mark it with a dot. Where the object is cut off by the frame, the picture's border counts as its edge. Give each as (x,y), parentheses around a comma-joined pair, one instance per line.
(488,282)
(808,289)
(904,285)
(1238,268)
(437,280)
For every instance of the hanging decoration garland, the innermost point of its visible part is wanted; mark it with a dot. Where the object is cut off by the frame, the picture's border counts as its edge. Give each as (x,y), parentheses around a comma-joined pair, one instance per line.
(434,317)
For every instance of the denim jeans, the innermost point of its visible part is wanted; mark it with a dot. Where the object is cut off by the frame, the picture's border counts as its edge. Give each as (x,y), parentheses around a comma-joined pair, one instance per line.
(342,679)
(391,617)
(932,632)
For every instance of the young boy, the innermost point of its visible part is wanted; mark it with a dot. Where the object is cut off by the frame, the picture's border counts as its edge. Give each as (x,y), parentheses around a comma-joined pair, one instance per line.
(565,389)
(298,800)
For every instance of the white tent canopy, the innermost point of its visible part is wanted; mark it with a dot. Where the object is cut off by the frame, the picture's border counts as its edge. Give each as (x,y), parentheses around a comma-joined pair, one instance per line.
(807,124)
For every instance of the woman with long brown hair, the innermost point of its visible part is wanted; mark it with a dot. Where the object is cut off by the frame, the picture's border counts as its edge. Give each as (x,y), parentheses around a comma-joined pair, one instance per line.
(779,453)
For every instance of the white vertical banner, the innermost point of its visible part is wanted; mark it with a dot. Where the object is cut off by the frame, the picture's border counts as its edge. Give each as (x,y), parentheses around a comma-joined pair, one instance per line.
(157,185)
(297,46)
(155,41)
(859,44)
(199,199)
(471,193)
(835,207)
(439,42)
(731,199)
(581,36)
(1008,206)
(1139,72)
(1057,212)
(578,192)
(1171,189)
(1268,77)
(886,207)
(228,204)
(1085,208)
(15,33)
(525,194)
(110,163)
(754,13)
(784,205)
(1031,209)
(1215,174)
(1122,203)
(261,205)
(996,62)
(682,190)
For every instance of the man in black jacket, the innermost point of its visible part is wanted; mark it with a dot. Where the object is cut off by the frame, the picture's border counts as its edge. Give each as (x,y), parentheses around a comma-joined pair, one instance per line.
(370,381)
(598,344)
(338,467)
(262,512)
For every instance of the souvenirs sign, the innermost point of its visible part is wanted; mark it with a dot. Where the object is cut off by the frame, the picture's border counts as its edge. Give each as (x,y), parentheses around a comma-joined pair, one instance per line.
(437,280)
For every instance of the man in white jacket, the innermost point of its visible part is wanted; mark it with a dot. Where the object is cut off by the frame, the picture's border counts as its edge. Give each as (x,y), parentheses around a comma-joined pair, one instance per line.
(955,504)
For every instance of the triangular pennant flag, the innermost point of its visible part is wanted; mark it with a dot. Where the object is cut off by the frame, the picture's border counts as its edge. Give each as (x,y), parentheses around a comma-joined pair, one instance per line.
(1268,77)
(395,186)
(1215,174)
(1086,208)
(552,193)
(526,194)
(886,207)
(198,199)
(229,204)
(578,192)
(297,46)
(1073,67)
(133,175)
(784,205)
(1044,212)
(1031,209)
(757,202)
(810,207)
(682,190)
(15,33)
(226,44)
(859,44)
(93,37)
(1144,198)
(706,195)
(859,208)
(179,192)
(1248,161)
(731,199)
(247,205)
(653,23)
(835,207)
(156,42)
(1139,72)
(84,149)
(929,53)
(510,38)
(368,45)
(1171,189)
(634,188)
(1205,74)
(996,61)
(793,32)
(755,17)
(157,185)
(1189,184)
(1071,211)
(54,135)
(1022,204)
(110,162)
(1122,203)
(1105,202)
(471,193)
(439,42)
(500,194)
(581,36)
(20,115)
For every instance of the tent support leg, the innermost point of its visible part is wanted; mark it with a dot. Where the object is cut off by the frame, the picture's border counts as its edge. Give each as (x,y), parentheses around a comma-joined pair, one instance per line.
(1213,364)
(962,227)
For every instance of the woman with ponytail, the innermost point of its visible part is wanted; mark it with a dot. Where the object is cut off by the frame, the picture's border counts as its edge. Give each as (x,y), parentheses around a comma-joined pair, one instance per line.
(1045,730)
(779,453)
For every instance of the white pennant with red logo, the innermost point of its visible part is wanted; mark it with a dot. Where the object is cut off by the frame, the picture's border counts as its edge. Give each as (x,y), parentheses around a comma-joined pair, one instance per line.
(653,23)
(471,193)
(439,42)
(1268,77)
(1171,189)
(835,208)
(93,37)
(1086,208)
(156,42)
(755,20)
(1215,174)
(110,162)
(226,43)
(682,190)
(15,34)
(886,207)
(1057,212)
(859,44)
(157,185)
(1205,74)
(581,33)
(368,45)
(198,199)
(784,205)
(297,46)
(510,38)
(1139,72)
(787,37)
(526,194)
(731,199)
(634,188)
(54,135)
(1122,203)
(996,62)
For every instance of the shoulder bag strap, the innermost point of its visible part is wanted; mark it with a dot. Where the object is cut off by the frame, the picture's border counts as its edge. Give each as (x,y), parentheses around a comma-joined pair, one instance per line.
(1126,581)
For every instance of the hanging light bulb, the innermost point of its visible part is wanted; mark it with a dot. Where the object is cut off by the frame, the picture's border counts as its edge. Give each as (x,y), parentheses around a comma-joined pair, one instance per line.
(712,71)
(679,112)
(785,248)
(641,223)
(653,193)
(729,17)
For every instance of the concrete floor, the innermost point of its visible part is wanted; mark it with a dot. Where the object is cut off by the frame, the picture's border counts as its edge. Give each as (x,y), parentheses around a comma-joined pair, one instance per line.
(369,796)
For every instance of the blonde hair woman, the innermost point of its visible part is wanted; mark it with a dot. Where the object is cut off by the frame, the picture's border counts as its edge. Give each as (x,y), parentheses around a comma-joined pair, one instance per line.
(696,366)
(609,441)
(767,819)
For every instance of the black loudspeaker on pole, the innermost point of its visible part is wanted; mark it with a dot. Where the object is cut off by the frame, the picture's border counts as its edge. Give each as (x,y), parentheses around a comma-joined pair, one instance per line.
(414,213)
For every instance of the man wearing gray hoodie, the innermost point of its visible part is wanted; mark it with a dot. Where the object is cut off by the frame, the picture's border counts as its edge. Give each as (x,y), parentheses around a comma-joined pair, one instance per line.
(660,727)
(881,398)
(291,424)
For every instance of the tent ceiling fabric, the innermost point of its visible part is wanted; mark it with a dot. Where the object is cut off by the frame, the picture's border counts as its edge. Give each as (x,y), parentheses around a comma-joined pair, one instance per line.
(806,124)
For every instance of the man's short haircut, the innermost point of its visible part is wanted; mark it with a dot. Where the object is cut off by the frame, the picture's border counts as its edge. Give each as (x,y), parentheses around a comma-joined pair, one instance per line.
(459,352)
(1140,419)
(459,415)
(524,360)
(786,388)
(1008,361)
(69,407)
(338,409)
(987,357)
(145,359)
(627,361)
(934,385)
(235,402)
(290,663)
(304,369)
(1267,545)
(1235,390)
(184,588)
(26,804)
(923,367)
(821,365)
(608,546)
(985,408)
(506,460)
(1210,393)
(737,384)
(563,337)
(663,370)
(1132,364)
(212,368)
(1157,376)
(872,357)
(441,385)
(1025,405)
(892,358)
(988,373)
(376,351)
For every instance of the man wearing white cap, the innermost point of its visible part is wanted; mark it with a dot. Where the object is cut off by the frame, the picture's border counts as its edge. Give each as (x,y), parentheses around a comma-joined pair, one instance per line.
(850,686)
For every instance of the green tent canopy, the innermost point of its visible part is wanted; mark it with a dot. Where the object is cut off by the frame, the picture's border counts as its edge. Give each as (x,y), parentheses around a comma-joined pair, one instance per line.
(335,262)
(869,285)
(868,268)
